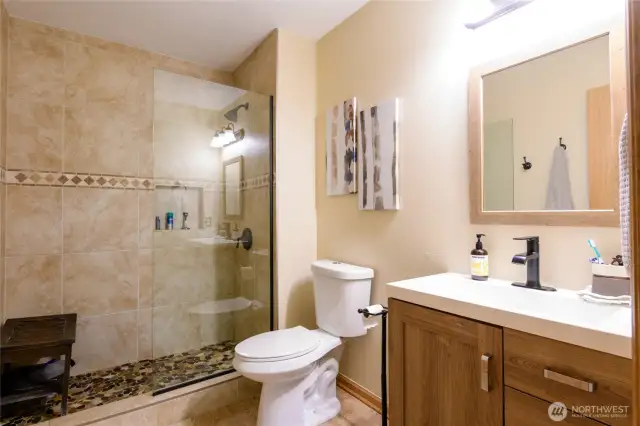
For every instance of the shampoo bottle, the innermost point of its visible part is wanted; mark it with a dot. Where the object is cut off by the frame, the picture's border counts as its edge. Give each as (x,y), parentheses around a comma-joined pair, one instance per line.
(479,261)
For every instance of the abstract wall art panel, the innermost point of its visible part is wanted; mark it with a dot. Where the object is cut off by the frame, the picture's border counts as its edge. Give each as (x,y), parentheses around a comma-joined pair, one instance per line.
(378,152)
(341,148)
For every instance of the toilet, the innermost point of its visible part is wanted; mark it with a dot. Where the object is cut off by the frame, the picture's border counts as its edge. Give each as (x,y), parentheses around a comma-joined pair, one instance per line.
(298,367)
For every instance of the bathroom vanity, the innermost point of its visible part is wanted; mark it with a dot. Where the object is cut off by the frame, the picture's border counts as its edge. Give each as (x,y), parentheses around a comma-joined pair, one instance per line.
(464,352)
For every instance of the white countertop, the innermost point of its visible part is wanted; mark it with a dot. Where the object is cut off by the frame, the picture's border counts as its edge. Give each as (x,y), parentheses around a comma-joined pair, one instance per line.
(560,315)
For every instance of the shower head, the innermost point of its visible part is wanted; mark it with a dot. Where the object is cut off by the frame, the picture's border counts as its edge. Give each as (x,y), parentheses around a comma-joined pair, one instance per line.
(232,115)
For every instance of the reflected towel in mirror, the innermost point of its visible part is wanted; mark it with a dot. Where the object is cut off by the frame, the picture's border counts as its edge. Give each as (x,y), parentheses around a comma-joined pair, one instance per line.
(559,195)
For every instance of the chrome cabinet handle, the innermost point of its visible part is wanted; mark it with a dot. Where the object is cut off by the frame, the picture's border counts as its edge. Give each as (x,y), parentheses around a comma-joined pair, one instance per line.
(569,381)
(484,372)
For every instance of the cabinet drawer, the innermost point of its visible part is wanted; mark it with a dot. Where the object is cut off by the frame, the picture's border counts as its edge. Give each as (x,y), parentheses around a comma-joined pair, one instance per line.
(525,410)
(559,372)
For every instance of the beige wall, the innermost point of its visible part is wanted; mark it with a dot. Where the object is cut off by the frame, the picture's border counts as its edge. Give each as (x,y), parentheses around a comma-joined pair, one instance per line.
(421,53)
(295,179)
(79,106)
(547,99)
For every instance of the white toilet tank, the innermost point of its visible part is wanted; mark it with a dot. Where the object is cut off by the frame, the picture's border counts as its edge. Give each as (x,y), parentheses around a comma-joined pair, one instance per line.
(340,290)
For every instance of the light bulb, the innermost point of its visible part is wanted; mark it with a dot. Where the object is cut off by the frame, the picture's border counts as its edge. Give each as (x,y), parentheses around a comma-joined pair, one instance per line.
(217,141)
(229,137)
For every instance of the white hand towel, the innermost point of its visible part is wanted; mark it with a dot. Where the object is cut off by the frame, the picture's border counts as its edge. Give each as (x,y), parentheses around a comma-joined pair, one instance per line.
(588,296)
(559,189)
(625,212)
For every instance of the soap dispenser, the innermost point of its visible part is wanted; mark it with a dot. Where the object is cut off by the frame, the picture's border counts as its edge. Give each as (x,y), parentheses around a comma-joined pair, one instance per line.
(479,261)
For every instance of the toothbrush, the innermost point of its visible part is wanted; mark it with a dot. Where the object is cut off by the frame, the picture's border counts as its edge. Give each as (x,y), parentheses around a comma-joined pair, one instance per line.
(592,244)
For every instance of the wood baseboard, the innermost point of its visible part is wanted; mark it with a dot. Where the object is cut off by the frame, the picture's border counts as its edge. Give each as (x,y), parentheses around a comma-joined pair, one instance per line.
(363,395)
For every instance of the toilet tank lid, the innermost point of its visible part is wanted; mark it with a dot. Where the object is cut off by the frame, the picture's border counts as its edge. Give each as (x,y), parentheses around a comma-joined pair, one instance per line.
(339,270)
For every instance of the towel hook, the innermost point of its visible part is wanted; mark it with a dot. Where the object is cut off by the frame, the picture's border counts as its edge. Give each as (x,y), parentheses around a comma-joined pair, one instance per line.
(526,165)
(564,146)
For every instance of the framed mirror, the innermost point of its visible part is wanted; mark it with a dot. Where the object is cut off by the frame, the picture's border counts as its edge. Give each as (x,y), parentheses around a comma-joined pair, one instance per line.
(232,178)
(543,134)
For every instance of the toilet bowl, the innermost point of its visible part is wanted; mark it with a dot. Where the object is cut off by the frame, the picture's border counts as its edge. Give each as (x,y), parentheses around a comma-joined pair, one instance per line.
(298,367)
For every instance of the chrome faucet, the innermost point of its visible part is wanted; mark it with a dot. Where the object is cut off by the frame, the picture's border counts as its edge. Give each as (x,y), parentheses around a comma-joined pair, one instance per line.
(532,260)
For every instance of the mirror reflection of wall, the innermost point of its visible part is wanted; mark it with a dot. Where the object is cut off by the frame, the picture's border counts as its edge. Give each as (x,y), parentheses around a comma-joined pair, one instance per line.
(526,109)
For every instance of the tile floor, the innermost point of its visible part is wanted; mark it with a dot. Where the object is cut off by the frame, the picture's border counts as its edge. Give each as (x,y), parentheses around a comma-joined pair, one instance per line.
(136,378)
(353,413)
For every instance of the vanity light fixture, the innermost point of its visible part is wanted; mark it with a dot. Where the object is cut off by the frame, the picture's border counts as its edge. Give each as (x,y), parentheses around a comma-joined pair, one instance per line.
(490,10)
(226,136)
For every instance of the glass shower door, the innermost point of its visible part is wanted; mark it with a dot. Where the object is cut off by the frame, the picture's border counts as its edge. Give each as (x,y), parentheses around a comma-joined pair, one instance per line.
(212,241)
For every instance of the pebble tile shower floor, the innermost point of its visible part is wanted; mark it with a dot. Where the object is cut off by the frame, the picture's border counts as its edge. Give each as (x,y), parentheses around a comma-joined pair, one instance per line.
(136,378)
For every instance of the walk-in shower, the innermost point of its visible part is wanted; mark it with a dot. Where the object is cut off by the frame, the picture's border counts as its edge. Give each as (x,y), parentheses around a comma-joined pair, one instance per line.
(200,279)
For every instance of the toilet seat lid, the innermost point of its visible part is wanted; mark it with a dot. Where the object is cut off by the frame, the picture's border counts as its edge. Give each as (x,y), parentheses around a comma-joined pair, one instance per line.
(278,345)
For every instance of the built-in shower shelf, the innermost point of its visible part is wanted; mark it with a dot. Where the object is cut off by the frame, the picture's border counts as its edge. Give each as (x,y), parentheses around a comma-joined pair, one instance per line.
(224,306)
(213,241)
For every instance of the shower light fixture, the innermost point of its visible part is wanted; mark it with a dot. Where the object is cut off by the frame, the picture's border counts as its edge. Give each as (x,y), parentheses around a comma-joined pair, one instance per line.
(226,136)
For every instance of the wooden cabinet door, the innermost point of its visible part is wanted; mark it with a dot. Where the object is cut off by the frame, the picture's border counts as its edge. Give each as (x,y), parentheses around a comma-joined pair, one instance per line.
(436,369)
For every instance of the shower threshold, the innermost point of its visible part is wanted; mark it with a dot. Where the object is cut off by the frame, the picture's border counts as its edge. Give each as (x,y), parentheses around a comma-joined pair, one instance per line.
(136,378)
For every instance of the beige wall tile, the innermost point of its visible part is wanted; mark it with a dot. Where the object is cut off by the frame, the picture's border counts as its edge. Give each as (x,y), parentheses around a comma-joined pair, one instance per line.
(225,270)
(34,135)
(96,219)
(175,330)
(103,75)
(258,71)
(145,278)
(102,138)
(182,275)
(33,286)
(100,283)
(214,328)
(145,333)
(167,63)
(183,151)
(105,341)
(147,218)
(36,66)
(34,215)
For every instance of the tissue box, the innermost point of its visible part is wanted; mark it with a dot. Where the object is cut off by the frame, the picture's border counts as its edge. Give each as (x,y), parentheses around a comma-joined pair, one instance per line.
(610,280)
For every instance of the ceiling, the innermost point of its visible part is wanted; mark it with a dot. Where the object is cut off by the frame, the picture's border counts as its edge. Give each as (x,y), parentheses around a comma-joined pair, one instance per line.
(176,88)
(216,33)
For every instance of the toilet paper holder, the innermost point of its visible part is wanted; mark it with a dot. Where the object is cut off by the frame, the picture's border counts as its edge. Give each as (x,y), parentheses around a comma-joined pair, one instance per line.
(380,311)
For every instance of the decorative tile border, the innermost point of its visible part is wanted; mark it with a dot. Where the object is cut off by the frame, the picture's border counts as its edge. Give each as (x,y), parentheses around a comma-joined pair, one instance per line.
(89,180)
(256,182)
(76,180)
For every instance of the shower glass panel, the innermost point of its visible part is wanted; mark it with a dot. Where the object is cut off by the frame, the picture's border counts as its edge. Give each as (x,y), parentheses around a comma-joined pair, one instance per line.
(212,244)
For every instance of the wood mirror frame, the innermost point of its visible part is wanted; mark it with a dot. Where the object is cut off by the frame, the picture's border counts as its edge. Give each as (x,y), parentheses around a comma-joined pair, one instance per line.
(618,82)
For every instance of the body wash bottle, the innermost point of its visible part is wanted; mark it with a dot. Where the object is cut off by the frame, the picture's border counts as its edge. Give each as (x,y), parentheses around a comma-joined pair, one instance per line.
(479,261)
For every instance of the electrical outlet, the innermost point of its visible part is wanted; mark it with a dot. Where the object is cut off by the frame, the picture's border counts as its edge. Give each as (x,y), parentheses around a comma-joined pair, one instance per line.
(207,222)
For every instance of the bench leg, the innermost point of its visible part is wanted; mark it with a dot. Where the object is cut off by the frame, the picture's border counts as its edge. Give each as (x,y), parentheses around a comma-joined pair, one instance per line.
(65,381)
